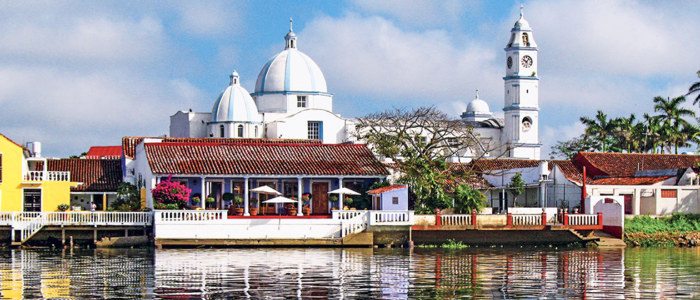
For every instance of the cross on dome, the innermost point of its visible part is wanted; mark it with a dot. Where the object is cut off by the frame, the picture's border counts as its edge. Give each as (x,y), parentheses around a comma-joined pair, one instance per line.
(290,38)
(477,94)
(521,10)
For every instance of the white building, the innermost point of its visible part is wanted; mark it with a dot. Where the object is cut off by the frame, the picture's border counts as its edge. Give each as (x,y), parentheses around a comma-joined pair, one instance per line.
(291,101)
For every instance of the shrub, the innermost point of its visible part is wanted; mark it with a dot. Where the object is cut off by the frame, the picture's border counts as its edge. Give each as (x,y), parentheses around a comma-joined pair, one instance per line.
(677,222)
(171,193)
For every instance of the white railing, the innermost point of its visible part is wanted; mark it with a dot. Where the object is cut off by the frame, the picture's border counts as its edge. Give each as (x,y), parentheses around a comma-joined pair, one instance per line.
(391,217)
(189,215)
(346,214)
(581,219)
(98,218)
(527,220)
(356,224)
(47,176)
(6,218)
(30,228)
(456,220)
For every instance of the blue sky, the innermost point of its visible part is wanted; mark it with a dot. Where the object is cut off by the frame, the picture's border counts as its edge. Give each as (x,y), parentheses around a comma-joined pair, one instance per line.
(76,74)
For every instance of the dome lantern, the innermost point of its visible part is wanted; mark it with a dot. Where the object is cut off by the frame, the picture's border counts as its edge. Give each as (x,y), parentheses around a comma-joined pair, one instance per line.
(290,38)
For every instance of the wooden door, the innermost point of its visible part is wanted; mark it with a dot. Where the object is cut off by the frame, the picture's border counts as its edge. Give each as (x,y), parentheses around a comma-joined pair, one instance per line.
(319,198)
(628,204)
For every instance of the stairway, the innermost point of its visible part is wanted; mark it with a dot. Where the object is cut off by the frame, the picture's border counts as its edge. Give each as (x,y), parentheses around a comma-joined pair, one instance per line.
(27,229)
(606,240)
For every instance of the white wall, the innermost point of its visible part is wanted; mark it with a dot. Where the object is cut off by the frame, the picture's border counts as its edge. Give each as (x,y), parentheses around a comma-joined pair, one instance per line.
(296,126)
(387,199)
(189,124)
(249,229)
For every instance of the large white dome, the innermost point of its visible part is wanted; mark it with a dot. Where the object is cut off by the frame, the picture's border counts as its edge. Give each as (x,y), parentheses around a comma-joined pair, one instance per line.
(478,107)
(291,71)
(235,104)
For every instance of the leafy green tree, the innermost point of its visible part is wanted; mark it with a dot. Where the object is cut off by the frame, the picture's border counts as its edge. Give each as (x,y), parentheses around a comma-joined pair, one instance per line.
(600,128)
(418,143)
(517,187)
(569,149)
(468,199)
(128,198)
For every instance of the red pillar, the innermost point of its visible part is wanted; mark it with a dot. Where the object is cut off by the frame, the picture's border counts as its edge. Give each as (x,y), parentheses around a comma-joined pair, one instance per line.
(600,219)
(583,191)
(438,220)
(544,218)
(509,220)
(566,219)
(474,219)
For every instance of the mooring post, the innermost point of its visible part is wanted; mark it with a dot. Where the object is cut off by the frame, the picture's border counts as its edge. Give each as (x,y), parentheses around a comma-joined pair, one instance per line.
(63,236)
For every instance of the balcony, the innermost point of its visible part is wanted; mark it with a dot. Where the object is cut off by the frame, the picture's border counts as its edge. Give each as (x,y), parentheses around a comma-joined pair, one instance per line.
(47,176)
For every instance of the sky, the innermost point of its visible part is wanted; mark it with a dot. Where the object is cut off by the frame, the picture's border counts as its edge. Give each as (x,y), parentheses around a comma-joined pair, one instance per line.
(75,74)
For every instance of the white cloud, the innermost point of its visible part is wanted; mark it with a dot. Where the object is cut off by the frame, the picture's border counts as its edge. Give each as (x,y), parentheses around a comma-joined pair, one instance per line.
(550,135)
(372,56)
(418,12)
(210,19)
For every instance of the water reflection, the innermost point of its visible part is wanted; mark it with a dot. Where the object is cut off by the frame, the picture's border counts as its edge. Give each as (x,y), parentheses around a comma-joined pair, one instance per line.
(351,273)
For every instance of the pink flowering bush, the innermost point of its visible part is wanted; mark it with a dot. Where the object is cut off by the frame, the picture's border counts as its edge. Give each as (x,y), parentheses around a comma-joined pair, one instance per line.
(170,194)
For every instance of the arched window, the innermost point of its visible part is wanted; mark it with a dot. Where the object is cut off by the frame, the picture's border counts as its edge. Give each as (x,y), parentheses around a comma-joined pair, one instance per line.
(221,130)
(526,41)
(240,130)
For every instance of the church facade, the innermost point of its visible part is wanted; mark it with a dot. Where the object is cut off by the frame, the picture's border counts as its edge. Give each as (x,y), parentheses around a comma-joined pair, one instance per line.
(291,101)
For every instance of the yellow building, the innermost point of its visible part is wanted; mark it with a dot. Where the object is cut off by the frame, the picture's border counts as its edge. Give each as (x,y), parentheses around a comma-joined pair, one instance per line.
(25,184)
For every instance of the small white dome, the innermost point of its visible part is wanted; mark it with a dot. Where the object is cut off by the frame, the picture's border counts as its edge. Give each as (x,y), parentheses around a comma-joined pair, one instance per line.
(235,104)
(521,23)
(291,71)
(478,107)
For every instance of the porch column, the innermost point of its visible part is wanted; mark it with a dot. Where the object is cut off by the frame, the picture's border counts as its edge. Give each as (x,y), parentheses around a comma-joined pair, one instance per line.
(636,198)
(340,196)
(245,197)
(104,201)
(203,197)
(299,202)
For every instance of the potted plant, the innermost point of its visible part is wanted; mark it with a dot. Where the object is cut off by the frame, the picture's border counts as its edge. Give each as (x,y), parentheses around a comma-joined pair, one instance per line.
(305,210)
(291,210)
(210,202)
(348,202)
(63,207)
(195,200)
(238,201)
(228,198)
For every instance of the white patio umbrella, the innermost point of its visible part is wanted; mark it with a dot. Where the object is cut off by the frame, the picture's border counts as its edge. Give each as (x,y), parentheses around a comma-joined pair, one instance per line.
(343,191)
(265,189)
(279,199)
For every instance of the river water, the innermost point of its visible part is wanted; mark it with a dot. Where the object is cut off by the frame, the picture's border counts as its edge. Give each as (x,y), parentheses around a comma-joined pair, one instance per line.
(351,273)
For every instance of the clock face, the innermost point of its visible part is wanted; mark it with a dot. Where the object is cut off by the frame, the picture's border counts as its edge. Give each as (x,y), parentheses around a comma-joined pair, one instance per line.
(527,61)
(510,62)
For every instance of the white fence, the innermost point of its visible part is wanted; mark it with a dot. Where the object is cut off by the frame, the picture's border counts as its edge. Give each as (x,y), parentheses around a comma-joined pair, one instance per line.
(356,224)
(527,220)
(391,217)
(198,216)
(582,220)
(456,220)
(47,176)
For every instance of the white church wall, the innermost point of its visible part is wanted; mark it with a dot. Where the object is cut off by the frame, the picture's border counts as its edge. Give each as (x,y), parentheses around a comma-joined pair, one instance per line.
(296,126)
(189,124)
(271,103)
(324,102)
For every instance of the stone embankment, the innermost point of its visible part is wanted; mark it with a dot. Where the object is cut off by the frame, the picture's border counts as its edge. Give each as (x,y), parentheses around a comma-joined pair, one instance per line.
(663,239)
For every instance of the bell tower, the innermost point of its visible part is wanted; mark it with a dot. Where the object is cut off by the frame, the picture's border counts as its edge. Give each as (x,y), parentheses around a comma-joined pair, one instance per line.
(521,108)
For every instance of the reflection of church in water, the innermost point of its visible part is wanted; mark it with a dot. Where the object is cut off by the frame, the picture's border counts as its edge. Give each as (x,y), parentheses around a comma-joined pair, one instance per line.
(291,101)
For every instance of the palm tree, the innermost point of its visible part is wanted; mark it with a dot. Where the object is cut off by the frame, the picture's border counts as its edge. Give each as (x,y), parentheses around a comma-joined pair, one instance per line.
(624,131)
(672,118)
(653,133)
(695,88)
(600,128)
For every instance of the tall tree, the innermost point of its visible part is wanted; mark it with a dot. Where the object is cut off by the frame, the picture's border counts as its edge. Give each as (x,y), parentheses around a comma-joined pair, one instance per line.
(600,128)
(418,142)
(569,149)
(672,116)
(695,88)
(517,187)
(624,129)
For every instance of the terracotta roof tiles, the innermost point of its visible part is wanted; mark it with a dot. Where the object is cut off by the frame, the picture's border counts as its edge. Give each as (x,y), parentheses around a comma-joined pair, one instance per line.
(386,189)
(104,152)
(627,164)
(263,159)
(97,175)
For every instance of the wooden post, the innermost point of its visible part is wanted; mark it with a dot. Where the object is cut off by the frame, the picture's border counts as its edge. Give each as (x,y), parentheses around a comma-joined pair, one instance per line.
(438,220)
(600,219)
(566,219)
(509,220)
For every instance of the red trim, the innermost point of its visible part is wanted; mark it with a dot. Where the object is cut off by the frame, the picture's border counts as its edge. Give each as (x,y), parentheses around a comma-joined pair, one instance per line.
(249,144)
(615,231)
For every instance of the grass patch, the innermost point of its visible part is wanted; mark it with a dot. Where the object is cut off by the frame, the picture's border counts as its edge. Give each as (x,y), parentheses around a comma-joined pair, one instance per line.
(677,222)
(452,244)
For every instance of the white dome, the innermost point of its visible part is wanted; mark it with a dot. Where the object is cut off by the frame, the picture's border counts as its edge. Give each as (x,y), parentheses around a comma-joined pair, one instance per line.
(478,107)
(235,104)
(290,71)
(521,23)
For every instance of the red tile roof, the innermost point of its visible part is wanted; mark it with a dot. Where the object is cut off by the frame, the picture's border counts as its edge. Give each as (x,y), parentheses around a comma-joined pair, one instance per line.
(627,164)
(263,159)
(630,180)
(108,152)
(129,143)
(97,175)
(386,189)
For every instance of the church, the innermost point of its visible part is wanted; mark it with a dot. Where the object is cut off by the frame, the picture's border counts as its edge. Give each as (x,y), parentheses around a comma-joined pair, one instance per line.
(291,101)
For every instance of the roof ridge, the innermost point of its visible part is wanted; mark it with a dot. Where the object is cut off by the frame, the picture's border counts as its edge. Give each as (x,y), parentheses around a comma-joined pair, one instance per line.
(255,144)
